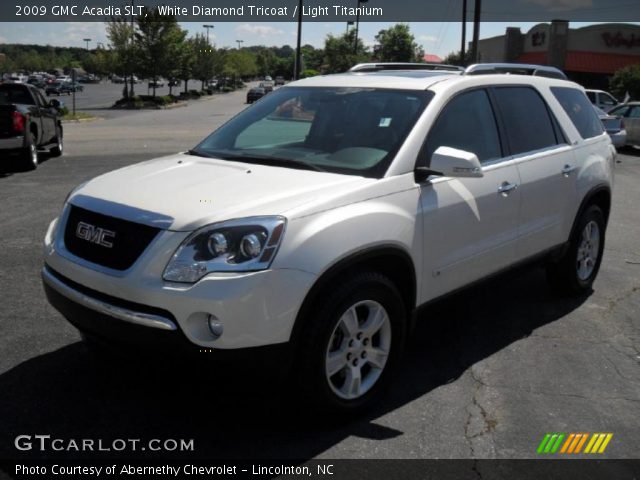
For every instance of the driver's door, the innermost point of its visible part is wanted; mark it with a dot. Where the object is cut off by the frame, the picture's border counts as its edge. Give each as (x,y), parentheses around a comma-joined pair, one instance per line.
(470,225)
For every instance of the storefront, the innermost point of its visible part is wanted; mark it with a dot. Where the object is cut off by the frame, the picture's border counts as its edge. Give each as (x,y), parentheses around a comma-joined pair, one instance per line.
(589,55)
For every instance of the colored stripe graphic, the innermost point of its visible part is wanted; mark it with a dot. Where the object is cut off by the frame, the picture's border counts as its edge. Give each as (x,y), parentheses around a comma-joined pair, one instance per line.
(573,443)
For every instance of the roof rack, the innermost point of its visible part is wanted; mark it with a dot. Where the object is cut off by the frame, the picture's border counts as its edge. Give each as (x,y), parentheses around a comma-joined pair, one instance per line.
(378,67)
(516,69)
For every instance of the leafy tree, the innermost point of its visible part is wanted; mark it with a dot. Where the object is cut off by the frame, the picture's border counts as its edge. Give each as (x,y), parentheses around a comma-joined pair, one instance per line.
(455,58)
(121,35)
(159,39)
(397,44)
(265,61)
(206,59)
(625,80)
(339,54)
(240,63)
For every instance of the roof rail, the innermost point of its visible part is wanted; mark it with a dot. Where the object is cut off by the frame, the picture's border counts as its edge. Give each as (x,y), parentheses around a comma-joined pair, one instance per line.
(381,66)
(515,68)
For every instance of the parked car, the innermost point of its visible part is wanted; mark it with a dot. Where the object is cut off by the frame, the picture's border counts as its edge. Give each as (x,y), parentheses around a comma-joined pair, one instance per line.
(58,88)
(28,123)
(630,115)
(117,79)
(37,82)
(266,86)
(339,205)
(279,81)
(64,79)
(614,127)
(76,87)
(158,83)
(255,93)
(601,99)
(174,82)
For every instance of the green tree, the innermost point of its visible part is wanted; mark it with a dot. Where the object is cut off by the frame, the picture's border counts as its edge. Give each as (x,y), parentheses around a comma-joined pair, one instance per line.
(121,37)
(339,53)
(626,80)
(159,39)
(455,58)
(206,58)
(397,44)
(265,61)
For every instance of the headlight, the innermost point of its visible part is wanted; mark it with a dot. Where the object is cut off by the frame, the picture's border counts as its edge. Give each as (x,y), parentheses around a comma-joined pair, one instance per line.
(243,245)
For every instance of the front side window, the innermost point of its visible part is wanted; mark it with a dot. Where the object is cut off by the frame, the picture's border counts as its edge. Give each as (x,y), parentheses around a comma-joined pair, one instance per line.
(607,99)
(527,122)
(467,123)
(634,112)
(354,131)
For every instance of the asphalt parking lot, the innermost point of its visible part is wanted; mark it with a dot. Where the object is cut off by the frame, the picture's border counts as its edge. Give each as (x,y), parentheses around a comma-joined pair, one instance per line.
(487,372)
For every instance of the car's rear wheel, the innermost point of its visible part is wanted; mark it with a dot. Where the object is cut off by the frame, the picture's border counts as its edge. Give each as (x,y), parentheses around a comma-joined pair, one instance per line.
(58,150)
(29,154)
(350,346)
(577,269)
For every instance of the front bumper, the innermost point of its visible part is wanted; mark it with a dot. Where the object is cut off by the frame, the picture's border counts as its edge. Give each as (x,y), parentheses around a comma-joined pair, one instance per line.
(255,308)
(142,340)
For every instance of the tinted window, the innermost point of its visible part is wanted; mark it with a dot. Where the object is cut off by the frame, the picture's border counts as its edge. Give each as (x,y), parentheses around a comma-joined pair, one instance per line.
(577,106)
(466,123)
(635,112)
(606,99)
(526,119)
(15,94)
(592,96)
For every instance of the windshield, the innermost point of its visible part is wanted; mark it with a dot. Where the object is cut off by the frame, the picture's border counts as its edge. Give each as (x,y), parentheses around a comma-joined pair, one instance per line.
(354,131)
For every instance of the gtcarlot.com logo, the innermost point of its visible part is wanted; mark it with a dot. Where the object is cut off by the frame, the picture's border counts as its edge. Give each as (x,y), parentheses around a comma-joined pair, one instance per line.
(574,443)
(46,443)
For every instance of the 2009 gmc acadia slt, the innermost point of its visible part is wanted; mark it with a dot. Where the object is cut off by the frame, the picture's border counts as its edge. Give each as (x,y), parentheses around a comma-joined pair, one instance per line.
(316,221)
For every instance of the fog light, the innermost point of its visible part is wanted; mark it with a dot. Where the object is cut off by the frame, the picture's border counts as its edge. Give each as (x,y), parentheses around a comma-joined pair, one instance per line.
(215,326)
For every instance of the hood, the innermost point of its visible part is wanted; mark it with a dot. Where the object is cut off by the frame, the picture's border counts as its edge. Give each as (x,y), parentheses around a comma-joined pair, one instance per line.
(184,192)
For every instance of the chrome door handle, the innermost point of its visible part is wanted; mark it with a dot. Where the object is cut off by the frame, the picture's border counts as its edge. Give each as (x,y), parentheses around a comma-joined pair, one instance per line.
(506,188)
(566,171)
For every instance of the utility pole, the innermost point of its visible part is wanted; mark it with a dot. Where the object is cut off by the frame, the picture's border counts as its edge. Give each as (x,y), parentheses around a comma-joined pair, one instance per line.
(239,42)
(208,27)
(131,94)
(87,40)
(298,61)
(476,31)
(463,47)
(355,43)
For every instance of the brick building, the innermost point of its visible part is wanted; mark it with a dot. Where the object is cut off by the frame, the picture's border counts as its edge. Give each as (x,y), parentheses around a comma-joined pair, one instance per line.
(589,55)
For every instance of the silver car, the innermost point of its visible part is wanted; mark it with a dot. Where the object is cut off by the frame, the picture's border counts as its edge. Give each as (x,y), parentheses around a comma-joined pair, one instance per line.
(614,126)
(630,114)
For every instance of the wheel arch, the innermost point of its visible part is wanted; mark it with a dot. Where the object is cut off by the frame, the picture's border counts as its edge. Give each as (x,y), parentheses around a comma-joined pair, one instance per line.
(600,196)
(389,260)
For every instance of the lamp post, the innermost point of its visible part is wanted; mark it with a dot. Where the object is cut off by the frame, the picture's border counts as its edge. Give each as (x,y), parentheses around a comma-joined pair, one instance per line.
(239,42)
(87,40)
(476,31)
(463,47)
(297,66)
(131,90)
(355,42)
(349,24)
(207,27)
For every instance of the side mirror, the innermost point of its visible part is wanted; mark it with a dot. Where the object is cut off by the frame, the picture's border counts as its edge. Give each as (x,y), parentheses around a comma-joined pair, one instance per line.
(55,103)
(451,162)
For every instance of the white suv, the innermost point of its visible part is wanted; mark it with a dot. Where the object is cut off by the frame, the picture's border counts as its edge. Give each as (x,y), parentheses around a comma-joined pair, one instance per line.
(315,222)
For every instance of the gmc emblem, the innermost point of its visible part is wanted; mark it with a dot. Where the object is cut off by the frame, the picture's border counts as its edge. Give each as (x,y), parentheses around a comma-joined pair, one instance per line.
(94,234)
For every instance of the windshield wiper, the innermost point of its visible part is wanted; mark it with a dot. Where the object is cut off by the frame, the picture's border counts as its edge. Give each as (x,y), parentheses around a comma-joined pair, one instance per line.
(274,161)
(197,153)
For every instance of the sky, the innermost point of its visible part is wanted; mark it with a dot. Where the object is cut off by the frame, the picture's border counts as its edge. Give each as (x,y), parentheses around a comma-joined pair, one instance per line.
(439,38)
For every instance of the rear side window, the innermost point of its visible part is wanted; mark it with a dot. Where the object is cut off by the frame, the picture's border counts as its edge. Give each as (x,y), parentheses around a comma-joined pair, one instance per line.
(467,123)
(592,96)
(580,111)
(526,117)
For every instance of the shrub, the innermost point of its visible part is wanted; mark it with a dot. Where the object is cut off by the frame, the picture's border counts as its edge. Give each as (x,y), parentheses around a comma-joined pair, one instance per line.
(626,80)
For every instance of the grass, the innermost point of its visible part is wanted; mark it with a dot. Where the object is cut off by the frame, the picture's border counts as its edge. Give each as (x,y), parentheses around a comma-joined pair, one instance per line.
(78,116)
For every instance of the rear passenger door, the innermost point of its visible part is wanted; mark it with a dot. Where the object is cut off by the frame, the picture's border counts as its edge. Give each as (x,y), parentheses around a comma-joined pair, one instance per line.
(470,225)
(546,164)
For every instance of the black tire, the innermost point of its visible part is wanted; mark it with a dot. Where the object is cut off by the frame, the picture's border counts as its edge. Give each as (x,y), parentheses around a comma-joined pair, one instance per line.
(58,150)
(318,336)
(569,275)
(29,154)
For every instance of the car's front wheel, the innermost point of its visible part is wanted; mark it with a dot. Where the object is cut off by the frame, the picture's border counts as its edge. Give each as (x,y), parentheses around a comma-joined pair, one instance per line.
(58,149)
(577,269)
(352,343)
